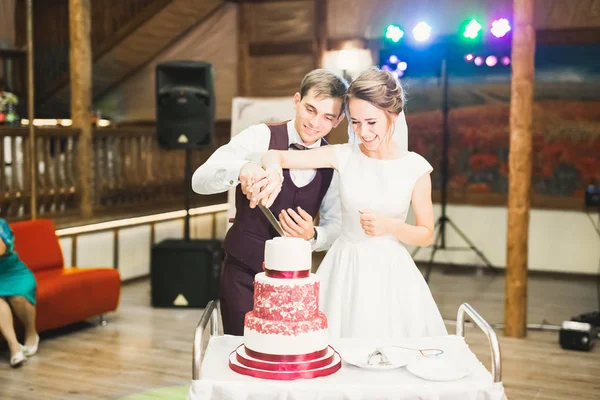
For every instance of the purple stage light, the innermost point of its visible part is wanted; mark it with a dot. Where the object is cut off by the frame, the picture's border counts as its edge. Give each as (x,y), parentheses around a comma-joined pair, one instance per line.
(490,61)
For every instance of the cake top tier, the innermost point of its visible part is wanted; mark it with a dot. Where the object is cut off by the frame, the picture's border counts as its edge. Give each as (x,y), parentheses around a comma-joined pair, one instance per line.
(288,254)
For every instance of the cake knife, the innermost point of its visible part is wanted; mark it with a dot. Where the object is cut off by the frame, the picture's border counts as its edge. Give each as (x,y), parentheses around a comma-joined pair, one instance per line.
(272,220)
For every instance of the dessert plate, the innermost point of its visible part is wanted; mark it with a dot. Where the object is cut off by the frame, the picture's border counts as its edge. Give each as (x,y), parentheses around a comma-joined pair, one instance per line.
(438,369)
(358,356)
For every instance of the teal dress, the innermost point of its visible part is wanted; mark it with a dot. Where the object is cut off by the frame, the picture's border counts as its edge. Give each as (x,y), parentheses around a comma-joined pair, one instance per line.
(15,278)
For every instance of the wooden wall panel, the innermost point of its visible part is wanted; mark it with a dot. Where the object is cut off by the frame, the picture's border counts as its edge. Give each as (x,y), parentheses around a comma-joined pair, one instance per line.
(281,43)
(7,23)
(281,22)
(572,14)
(111,16)
(278,75)
(137,49)
(51,34)
(213,41)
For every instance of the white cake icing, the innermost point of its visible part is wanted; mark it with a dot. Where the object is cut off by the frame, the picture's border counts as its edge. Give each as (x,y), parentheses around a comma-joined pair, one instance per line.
(288,254)
(303,343)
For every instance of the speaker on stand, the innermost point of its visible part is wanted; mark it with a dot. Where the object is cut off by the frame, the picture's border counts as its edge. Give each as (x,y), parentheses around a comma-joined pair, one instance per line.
(185,273)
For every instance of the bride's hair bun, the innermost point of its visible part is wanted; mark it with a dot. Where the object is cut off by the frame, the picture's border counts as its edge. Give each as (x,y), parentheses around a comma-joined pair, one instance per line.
(380,88)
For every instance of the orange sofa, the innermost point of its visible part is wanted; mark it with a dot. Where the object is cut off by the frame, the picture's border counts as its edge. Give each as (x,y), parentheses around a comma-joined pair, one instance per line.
(64,295)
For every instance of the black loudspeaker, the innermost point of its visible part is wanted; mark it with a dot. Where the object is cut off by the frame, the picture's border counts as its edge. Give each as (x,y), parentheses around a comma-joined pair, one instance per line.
(185,104)
(185,273)
(579,336)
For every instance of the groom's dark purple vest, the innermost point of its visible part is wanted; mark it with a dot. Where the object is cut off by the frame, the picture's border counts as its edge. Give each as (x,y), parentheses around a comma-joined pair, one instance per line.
(245,240)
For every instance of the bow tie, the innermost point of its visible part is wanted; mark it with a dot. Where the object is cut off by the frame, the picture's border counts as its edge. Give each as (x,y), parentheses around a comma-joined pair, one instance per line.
(297,146)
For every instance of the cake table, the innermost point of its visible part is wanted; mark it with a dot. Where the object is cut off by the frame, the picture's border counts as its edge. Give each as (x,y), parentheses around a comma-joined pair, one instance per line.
(213,379)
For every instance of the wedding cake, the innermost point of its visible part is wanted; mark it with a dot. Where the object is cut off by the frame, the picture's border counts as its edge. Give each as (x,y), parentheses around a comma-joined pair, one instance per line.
(285,335)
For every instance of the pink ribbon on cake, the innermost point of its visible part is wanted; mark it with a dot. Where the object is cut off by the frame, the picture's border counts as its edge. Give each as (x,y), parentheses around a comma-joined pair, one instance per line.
(284,371)
(271,273)
(287,358)
(285,366)
(286,376)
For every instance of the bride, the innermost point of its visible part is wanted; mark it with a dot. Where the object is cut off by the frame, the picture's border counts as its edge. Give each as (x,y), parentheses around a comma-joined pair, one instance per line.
(370,285)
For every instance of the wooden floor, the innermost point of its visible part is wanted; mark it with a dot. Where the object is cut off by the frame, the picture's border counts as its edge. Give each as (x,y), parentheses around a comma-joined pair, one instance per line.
(143,348)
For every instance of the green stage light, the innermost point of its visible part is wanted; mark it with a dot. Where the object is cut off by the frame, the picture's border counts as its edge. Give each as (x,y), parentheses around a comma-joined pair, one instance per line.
(394,33)
(472,29)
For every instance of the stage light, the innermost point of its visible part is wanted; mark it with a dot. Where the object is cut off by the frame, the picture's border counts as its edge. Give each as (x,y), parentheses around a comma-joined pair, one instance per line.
(478,61)
(421,32)
(490,61)
(394,33)
(500,27)
(402,65)
(393,59)
(386,68)
(472,29)
(469,57)
(505,60)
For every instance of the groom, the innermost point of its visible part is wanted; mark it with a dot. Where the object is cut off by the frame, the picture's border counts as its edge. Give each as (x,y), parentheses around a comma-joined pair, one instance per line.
(319,108)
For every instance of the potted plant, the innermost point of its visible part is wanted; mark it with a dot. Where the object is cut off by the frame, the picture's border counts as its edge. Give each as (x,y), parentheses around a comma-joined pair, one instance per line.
(8,108)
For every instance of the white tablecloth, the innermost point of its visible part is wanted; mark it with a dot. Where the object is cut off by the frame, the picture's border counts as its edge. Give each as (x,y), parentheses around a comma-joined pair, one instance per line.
(219,382)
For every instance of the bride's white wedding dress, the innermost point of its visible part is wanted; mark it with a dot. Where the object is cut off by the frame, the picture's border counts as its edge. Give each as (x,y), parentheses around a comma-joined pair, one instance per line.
(370,285)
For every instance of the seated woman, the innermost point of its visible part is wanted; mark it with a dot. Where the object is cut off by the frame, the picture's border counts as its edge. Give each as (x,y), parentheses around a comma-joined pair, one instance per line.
(17,294)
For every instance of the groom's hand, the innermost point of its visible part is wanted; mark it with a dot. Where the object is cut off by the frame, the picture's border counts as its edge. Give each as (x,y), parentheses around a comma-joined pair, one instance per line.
(297,224)
(267,190)
(253,178)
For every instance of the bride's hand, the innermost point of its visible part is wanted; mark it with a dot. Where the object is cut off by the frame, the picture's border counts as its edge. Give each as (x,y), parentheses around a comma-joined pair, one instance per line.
(269,193)
(374,223)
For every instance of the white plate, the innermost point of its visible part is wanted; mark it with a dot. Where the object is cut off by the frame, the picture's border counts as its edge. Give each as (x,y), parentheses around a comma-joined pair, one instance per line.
(437,369)
(358,356)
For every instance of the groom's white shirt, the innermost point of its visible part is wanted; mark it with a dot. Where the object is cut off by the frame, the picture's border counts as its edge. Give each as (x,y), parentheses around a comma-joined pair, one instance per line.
(221,171)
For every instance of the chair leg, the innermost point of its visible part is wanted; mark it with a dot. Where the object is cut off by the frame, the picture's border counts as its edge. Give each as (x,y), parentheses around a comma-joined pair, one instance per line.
(103,320)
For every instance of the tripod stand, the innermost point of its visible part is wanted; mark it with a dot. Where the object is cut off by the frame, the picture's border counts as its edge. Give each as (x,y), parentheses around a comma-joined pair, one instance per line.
(187,181)
(440,225)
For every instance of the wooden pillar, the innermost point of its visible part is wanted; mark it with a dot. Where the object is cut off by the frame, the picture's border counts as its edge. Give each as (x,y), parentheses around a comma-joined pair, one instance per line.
(243,49)
(521,110)
(320,25)
(31,112)
(81,93)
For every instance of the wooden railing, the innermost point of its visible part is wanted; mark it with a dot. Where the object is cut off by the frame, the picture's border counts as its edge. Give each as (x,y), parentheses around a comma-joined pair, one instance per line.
(130,173)
(15,173)
(130,169)
(57,180)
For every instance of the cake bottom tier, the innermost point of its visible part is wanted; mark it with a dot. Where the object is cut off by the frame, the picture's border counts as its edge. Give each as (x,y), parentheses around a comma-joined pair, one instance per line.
(284,373)
(285,338)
